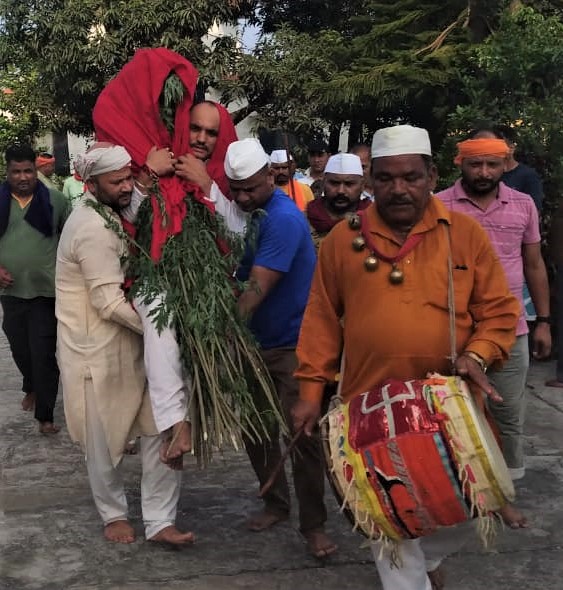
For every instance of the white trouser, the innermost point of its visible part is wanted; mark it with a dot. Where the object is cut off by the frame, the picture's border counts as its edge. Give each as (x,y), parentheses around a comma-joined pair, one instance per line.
(168,389)
(418,556)
(160,485)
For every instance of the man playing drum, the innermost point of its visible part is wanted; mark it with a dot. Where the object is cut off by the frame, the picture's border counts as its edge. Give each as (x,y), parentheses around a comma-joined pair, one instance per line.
(380,297)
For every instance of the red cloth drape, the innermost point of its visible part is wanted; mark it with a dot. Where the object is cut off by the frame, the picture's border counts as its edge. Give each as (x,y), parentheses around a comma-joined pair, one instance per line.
(127,114)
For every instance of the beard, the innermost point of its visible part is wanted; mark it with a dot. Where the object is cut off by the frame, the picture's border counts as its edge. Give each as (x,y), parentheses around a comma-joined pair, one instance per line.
(340,204)
(281,179)
(202,151)
(481,186)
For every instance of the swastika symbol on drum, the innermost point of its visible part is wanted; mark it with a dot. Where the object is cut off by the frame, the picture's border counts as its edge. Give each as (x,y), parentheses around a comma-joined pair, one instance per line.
(387,403)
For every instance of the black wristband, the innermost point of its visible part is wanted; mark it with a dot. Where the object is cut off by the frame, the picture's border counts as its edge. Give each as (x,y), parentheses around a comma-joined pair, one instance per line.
(543,319)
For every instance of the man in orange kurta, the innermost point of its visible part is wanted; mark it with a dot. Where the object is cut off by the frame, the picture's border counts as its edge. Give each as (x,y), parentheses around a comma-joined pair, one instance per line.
(392,321)
(284,170)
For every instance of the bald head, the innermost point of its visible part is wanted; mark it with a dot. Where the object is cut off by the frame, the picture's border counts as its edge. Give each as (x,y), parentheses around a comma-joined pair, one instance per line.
(204,129)
(363,151)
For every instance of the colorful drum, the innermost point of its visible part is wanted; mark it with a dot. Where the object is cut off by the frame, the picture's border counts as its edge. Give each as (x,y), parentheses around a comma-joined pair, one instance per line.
(409,457)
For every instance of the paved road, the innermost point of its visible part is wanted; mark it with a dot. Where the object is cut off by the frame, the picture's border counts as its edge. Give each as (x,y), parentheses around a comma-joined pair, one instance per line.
(50,536)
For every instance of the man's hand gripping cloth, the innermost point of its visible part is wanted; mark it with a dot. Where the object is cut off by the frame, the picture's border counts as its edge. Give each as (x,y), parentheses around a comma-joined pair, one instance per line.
(127,113)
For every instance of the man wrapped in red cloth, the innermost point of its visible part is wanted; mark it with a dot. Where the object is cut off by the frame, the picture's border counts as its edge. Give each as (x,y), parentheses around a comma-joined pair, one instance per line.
(127,113)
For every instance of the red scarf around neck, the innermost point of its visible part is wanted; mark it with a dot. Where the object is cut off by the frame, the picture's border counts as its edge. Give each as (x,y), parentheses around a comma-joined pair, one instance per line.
(319,218)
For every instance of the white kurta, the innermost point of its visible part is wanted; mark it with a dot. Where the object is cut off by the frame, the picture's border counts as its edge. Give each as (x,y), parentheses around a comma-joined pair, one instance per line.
(99,333)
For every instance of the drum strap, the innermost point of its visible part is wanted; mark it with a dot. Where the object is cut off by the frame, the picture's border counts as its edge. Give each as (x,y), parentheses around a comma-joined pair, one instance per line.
(451,298)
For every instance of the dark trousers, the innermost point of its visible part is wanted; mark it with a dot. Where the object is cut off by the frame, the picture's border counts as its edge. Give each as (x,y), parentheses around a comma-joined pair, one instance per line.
(31,328)
(307,460)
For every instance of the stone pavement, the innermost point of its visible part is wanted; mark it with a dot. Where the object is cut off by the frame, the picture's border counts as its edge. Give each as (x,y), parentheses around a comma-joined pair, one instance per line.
(50,536)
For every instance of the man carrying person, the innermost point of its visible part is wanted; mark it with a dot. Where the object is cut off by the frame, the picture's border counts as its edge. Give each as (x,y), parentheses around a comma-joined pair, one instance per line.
(343,185)
(392,320)
(298,192)
(510,219)
(278,271)
(100,350)
(31,220)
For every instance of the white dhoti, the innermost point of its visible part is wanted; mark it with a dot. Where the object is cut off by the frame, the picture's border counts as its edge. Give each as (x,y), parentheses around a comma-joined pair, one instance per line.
(160,485)
(168,388)
(418,556)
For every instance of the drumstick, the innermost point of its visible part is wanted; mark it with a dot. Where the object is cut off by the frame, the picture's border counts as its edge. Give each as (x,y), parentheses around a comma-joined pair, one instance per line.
(281,463)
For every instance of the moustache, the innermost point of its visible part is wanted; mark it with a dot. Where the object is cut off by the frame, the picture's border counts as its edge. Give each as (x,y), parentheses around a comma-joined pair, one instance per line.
(199,146)
(398,201)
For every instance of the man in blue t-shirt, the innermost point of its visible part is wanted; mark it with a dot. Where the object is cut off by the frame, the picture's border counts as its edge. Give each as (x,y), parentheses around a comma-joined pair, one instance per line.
(277,269)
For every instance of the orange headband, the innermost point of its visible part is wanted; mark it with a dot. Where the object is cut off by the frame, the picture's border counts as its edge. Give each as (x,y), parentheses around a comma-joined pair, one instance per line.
(42,160)
(472,148)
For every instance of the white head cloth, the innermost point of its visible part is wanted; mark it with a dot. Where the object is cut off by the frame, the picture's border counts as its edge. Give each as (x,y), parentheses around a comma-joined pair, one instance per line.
(99,160)
(400,140)
(279,157)
(244,158)
(344,164)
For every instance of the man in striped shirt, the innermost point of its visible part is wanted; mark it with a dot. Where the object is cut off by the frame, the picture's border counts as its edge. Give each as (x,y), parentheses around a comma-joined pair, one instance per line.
(510,219)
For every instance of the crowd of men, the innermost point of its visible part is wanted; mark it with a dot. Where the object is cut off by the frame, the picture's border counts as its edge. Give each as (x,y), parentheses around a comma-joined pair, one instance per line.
(311,298)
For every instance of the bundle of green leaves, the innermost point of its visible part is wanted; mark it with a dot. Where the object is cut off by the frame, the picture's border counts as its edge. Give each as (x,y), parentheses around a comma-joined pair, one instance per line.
(232,394)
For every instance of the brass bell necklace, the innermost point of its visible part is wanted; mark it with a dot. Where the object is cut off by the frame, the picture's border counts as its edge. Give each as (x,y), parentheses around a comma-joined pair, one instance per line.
(371,263)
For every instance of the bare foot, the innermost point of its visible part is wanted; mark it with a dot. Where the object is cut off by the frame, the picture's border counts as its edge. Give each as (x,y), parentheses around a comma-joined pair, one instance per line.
(48,428)
(119,531)
(512,517)
(177,442)
(130,448)
(172,536)
(319,543)
(28,402)
(550,383)
(437,578)
(260,521)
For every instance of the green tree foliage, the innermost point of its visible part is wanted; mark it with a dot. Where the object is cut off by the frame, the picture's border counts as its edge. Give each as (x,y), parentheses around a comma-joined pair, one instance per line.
(372,64)
(514,78)
(312,16)
(25,109)
(76,46)
(277,77)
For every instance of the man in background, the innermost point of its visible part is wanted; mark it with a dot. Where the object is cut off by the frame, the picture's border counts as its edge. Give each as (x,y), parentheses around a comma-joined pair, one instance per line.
(363,151)
(510,219)
(318,157)
(73,187)
(519,176)
(45,164)
(284,171)
(31,220)
(343,185)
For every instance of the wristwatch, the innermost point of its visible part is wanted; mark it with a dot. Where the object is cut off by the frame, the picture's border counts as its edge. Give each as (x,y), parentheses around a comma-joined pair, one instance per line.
(543,319)
(478,359)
